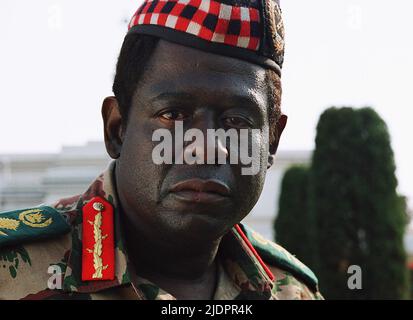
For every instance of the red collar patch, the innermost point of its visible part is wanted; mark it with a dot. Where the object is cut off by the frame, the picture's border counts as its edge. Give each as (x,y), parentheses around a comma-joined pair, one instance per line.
(98,251)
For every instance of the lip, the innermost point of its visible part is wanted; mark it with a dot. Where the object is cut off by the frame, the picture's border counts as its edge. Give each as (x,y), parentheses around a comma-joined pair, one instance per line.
(202,191)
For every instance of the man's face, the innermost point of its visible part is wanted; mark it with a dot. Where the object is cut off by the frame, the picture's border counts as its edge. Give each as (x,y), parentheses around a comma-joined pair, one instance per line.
(204,91)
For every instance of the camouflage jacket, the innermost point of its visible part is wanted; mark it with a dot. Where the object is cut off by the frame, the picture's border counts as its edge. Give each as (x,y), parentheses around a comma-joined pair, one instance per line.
(34,240)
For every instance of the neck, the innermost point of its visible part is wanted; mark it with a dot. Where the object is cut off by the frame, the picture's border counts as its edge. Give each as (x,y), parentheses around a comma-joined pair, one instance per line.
(155,256)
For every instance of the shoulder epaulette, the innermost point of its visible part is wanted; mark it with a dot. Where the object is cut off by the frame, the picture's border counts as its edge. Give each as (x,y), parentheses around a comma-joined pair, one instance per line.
(276,255)
(22,226)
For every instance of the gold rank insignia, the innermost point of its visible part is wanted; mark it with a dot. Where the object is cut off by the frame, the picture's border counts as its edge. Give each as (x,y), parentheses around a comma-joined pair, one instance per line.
(29,224)
(98,252)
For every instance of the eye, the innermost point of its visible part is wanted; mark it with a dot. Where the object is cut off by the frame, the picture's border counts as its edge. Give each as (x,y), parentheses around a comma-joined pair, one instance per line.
(237,122)
(172,115)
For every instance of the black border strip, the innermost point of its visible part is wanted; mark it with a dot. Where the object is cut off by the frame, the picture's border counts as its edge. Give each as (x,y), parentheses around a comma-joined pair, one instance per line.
(193,41)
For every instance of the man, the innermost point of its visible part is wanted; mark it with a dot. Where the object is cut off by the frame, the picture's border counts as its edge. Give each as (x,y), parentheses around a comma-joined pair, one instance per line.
(150,230)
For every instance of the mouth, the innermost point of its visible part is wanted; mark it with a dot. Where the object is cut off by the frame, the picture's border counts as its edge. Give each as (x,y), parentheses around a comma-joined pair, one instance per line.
(201,191)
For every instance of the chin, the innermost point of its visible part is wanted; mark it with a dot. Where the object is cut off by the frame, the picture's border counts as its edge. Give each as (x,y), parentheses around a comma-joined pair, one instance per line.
(199,227)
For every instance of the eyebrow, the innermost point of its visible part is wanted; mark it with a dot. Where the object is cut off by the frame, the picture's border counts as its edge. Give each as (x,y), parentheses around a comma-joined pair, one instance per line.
(237,98)
(172,95)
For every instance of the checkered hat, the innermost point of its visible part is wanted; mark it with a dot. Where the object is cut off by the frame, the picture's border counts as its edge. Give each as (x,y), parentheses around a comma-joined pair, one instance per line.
(251,30)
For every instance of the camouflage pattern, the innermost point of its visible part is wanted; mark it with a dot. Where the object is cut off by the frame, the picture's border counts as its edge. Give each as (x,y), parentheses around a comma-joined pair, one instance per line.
(24,266)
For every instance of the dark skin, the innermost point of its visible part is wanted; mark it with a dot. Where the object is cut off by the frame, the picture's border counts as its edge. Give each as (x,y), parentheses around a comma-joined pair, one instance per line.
(171,242)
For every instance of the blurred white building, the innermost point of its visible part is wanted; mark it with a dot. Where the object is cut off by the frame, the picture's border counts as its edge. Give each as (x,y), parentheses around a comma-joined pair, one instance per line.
(32,179)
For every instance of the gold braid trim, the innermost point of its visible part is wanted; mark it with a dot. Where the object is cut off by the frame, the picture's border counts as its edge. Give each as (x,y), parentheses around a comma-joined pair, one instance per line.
(97,248)
(8,224)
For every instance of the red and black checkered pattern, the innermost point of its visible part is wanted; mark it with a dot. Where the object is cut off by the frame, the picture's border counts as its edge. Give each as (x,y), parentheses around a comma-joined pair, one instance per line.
(207,19)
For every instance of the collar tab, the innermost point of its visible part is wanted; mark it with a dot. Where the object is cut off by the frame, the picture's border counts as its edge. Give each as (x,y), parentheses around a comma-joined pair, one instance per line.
(98,250)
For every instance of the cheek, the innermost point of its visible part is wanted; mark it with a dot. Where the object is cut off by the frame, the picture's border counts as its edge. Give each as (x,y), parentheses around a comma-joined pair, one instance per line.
(250,185)
(140,174)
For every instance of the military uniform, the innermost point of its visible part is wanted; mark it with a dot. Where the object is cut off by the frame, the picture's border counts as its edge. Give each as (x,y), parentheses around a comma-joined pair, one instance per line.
(74,248)
(32,240)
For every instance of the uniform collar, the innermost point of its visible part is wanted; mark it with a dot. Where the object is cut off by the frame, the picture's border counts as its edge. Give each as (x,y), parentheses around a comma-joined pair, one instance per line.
(237,260)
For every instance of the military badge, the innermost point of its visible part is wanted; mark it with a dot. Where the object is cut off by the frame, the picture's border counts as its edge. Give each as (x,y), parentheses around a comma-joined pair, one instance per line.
(35,218)
(27,224)
(276,30)
(98,252)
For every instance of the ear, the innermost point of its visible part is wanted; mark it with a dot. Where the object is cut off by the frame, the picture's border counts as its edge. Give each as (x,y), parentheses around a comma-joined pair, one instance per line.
(113,130)
(281,123)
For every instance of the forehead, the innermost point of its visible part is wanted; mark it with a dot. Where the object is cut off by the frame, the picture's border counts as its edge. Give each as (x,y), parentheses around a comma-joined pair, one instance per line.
(174,67)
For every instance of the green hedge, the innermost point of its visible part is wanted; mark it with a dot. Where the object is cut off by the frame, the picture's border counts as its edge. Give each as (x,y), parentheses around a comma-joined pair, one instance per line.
(345,209)
(294,225)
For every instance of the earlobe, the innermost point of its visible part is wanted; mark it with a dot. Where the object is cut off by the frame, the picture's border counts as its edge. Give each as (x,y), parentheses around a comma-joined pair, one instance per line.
(281,123)
(112,123)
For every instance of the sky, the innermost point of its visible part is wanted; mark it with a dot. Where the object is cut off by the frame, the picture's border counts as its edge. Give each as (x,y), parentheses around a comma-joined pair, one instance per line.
(57,62)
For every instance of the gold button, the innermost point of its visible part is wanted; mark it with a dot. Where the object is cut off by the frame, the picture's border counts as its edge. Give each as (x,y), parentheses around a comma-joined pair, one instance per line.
(98,206)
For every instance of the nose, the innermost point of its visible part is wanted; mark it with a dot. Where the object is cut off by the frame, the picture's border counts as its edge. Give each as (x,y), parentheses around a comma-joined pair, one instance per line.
(207,148)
